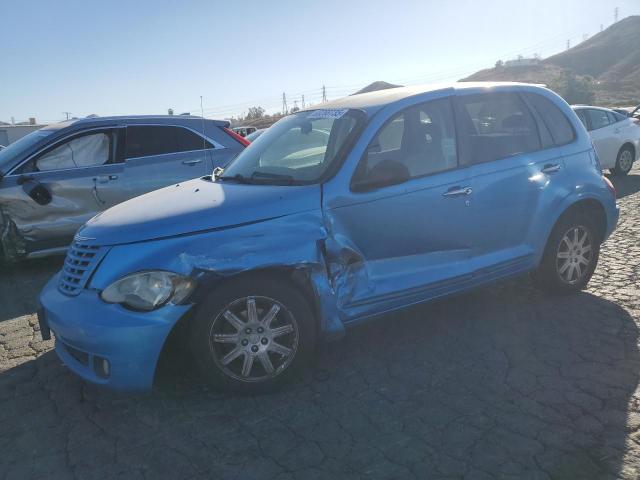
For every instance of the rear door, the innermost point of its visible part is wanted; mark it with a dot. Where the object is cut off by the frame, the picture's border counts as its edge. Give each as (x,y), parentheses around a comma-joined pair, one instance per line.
(161,155)
(510,170)
(73,171)
(604,136)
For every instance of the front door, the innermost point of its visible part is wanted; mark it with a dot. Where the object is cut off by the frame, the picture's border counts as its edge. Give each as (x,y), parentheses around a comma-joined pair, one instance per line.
(404,222)
(55,192)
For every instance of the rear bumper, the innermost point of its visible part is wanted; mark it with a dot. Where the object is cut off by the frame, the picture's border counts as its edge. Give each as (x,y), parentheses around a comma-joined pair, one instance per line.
(89,332)
(613,214)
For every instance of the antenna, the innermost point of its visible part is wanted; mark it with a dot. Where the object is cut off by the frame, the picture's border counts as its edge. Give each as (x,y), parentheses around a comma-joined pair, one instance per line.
(204,141)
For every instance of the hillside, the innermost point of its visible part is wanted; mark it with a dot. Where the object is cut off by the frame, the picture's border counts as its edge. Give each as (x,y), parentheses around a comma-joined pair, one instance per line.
(611,57)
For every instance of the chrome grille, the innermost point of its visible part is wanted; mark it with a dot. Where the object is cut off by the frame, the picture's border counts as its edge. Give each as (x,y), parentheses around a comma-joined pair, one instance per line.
(78,266)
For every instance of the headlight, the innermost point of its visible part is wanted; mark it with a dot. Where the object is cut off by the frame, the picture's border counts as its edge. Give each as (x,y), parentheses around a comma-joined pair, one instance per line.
(148,290)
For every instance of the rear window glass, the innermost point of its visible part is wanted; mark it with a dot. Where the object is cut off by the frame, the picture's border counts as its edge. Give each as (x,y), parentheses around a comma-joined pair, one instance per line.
(146,141)
(553,118)
(497,125)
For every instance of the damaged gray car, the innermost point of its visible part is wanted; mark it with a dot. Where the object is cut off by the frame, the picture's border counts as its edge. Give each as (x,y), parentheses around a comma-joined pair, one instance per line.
(55,179)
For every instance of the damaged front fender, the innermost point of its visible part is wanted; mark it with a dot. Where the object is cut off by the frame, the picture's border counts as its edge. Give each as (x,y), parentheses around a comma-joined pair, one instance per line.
(12,245)
(296,243)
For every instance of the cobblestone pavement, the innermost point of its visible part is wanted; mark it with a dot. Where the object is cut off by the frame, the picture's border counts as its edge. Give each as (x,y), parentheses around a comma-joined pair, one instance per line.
(501,383)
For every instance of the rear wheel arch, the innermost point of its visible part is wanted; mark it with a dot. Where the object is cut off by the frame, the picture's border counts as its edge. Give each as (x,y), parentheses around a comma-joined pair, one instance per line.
(591,207)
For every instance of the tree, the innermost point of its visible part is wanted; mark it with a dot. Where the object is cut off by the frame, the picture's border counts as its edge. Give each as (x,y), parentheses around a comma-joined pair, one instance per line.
(574,89)
(499,63)
(255,113)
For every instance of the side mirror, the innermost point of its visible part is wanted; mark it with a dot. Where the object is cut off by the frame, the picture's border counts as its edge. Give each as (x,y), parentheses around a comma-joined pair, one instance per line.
(385,173)
(36,190)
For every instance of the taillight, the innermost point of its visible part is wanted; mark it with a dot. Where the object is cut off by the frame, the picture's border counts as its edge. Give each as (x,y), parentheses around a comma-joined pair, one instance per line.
(237,137)
(610,186)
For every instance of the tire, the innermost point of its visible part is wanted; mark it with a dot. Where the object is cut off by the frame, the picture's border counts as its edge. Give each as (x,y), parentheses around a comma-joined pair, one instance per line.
(624,161)
(563,259)
(257,321)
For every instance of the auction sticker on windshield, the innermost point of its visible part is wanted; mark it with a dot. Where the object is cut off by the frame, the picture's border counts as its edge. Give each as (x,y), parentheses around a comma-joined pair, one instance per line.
(328,113)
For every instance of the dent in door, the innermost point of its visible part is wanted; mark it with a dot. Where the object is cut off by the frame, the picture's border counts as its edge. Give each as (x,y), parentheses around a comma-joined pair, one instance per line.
(24,222)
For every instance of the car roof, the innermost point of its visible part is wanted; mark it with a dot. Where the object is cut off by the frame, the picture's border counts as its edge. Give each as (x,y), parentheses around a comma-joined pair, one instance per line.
(387,96)
(136,119)
(582,107)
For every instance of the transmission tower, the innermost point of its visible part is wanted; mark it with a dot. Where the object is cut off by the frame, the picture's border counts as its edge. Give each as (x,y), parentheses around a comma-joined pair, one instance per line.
(615,15)
(324,94)
(285,109)
(302,101)
(67,114)
(568,43)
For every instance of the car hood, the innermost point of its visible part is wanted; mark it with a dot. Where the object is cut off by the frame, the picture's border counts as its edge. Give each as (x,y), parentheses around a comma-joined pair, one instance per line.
(195,206)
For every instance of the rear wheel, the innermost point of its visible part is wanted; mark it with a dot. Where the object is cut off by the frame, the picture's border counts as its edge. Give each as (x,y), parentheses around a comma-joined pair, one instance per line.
(624,161)
(570,257)
(253,335)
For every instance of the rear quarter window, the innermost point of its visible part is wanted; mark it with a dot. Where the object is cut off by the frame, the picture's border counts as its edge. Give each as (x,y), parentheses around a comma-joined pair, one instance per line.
(555,121)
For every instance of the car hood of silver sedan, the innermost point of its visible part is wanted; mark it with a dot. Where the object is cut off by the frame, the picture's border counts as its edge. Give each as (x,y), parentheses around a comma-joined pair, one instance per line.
(195,206)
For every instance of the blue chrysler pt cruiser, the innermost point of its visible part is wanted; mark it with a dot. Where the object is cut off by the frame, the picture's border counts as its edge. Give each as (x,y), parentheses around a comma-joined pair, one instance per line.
(334,215)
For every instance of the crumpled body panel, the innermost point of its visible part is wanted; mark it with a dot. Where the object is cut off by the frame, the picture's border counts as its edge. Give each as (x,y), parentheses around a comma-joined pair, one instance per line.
(297,243)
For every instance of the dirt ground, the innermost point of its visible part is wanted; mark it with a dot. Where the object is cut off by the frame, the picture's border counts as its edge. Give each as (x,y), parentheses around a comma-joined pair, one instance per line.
(501,383)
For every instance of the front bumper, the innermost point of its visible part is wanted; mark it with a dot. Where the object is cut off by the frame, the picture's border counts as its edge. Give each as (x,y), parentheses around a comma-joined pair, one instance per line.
(89,332)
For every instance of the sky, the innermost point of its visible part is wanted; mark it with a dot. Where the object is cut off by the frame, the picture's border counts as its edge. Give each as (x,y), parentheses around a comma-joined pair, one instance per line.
(142,57)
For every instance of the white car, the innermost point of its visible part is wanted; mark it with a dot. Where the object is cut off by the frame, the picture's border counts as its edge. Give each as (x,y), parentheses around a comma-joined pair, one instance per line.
(615,136)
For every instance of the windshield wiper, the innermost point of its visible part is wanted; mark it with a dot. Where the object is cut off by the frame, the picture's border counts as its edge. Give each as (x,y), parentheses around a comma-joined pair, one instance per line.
(259,178)
(276,177)
(234,178)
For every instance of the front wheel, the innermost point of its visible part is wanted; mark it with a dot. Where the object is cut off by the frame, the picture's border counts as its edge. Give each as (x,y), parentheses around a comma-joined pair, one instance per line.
(570,257)
(253,335)
(624,161)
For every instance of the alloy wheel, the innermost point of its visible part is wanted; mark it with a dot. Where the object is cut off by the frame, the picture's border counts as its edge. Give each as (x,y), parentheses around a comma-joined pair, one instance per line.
(574,255)
(254,339)
(625,161)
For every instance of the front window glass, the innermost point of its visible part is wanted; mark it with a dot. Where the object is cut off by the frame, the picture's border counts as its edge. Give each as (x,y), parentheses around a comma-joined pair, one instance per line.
(418,141)
(85,151)
(9,154)
(297,149)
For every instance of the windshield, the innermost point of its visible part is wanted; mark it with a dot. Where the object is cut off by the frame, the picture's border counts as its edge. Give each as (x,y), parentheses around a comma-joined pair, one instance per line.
(297,149)
(7,155)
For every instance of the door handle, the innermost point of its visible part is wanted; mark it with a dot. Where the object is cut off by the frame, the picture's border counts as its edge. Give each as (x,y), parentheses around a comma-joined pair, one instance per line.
(106,178)
(550,168)
(192,162)
(457,192)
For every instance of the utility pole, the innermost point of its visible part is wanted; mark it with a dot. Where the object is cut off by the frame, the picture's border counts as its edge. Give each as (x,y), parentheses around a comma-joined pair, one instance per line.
(615,15)
(67,114)
(302,101)
(285,109)
(568,43)
(324,94)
